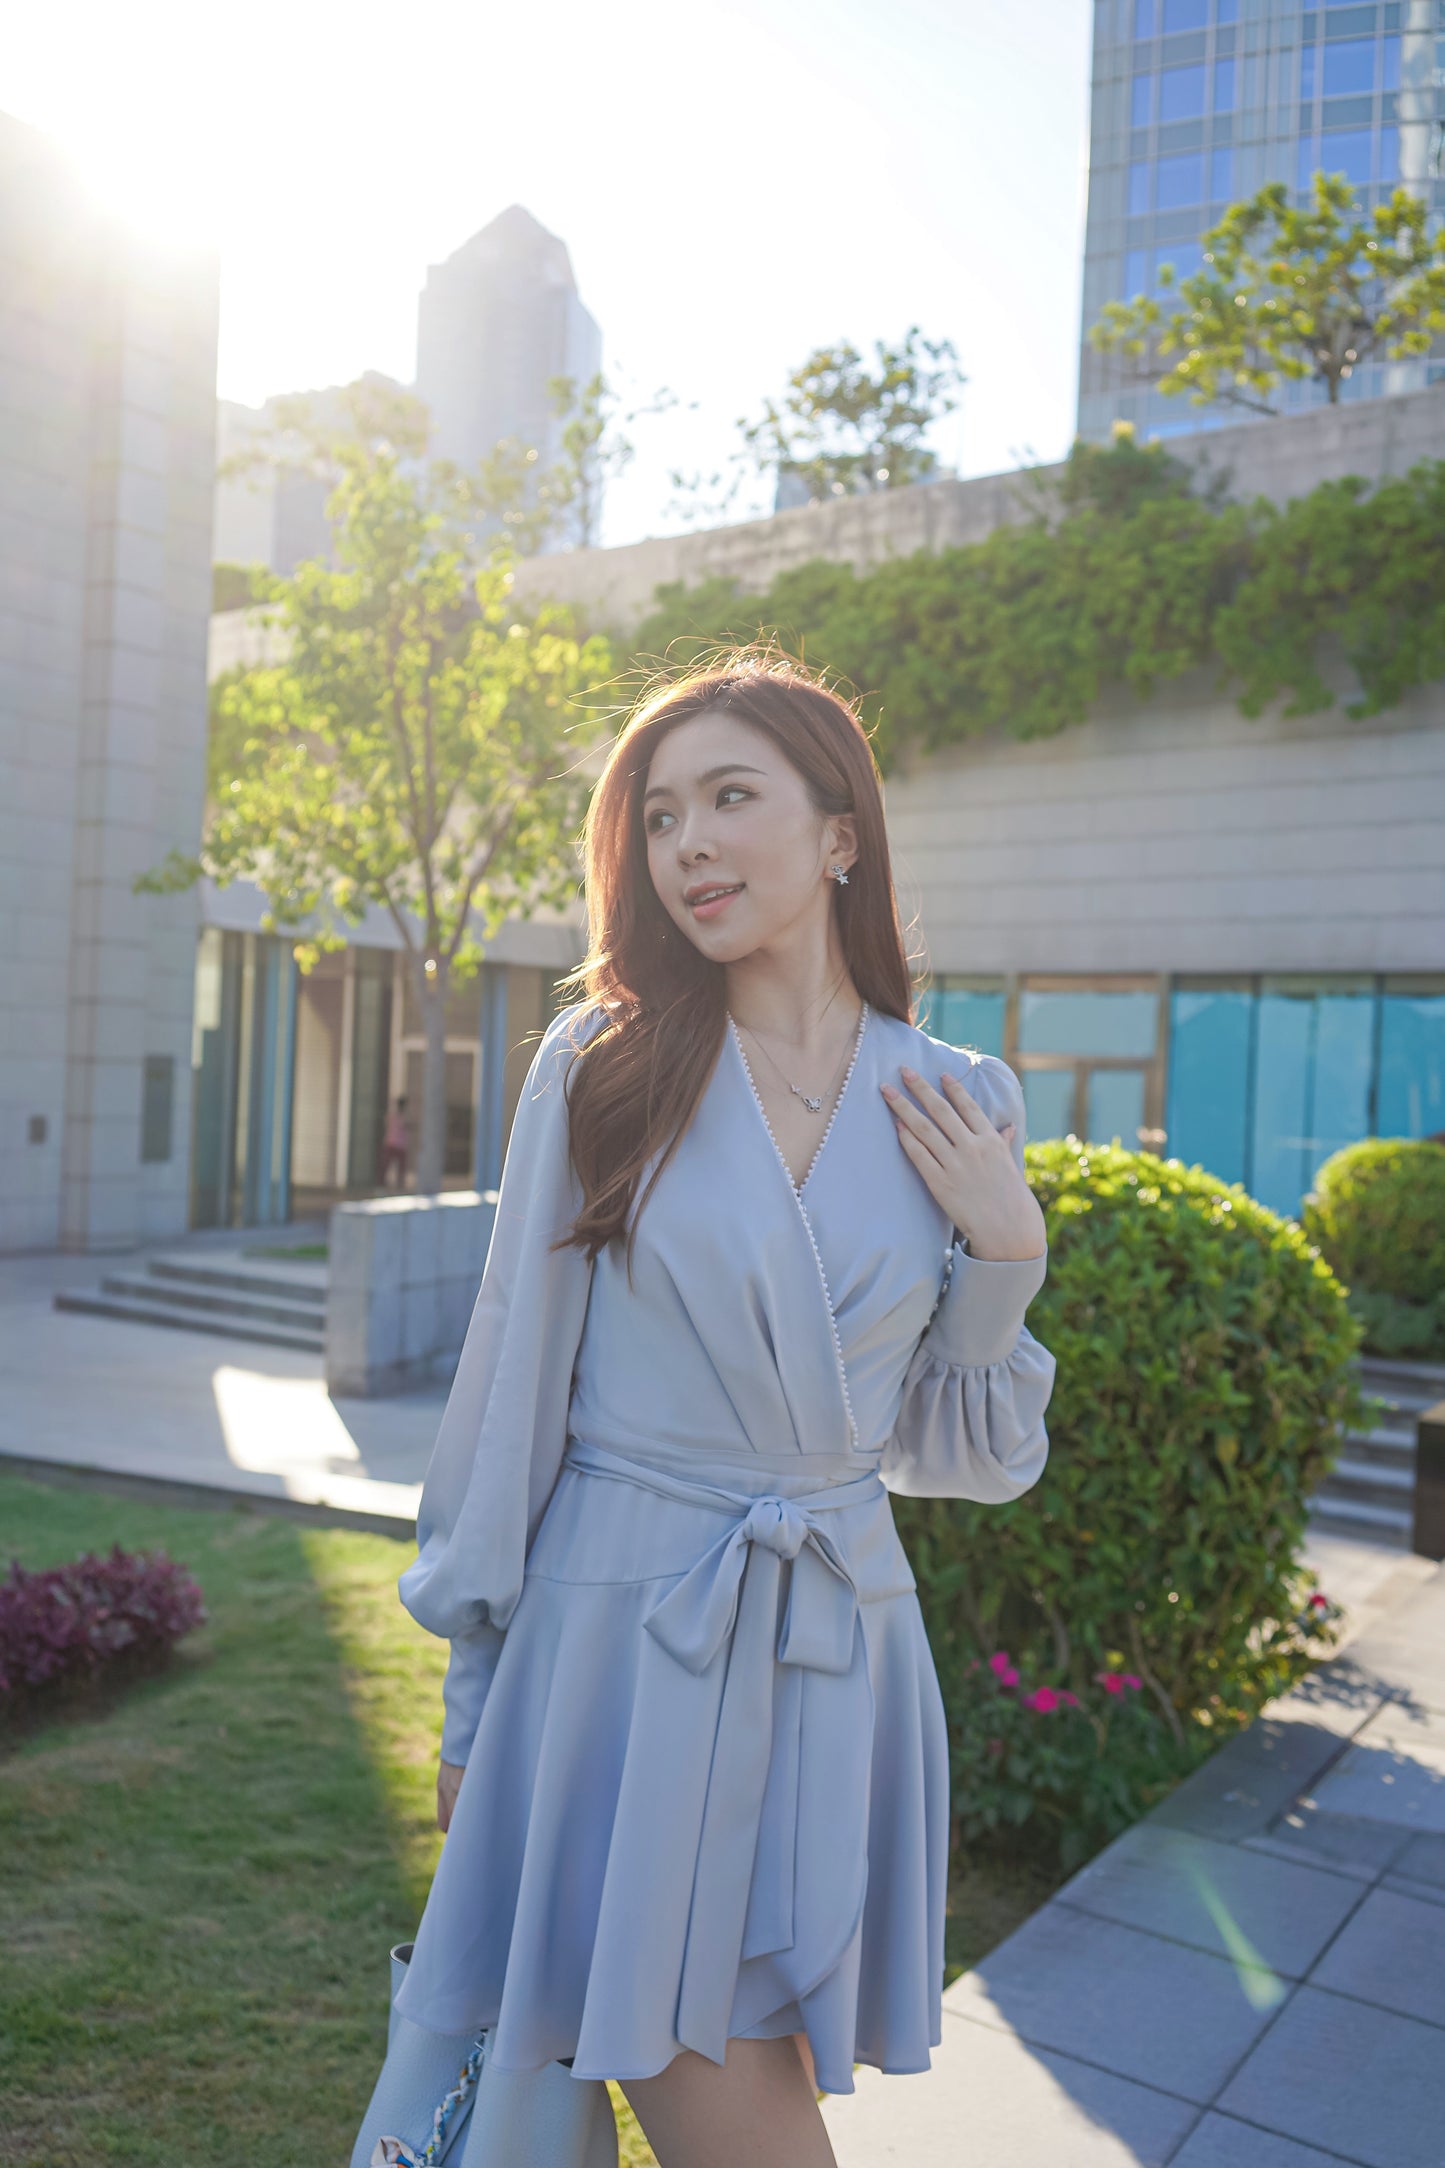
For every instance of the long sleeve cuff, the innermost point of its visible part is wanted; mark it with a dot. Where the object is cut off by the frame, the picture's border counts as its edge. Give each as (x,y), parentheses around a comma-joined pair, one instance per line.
(981,1314)
(464,1690)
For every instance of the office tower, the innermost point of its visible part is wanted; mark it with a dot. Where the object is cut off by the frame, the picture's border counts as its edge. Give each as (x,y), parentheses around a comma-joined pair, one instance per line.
(494,322)
(273,515)
(1197,103)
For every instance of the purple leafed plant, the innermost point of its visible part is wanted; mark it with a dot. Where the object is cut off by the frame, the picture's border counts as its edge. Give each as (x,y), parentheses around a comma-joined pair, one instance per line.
(73,1622)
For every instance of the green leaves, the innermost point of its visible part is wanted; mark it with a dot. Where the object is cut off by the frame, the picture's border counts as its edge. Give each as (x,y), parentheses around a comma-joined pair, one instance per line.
(1377,1211)
(1114,573)
(1287,292)
(1204,1383)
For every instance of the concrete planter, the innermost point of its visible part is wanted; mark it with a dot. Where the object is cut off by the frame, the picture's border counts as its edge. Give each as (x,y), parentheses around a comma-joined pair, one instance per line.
(404,1274)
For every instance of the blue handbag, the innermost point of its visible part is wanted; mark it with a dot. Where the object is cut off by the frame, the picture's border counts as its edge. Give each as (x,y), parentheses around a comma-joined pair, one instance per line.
(439,2103)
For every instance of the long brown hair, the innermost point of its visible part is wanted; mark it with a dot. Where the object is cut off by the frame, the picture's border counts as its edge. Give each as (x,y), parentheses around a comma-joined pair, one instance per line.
(634,1085)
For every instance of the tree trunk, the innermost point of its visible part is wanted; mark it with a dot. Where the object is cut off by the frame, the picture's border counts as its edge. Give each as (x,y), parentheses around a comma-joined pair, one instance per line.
(432,1147)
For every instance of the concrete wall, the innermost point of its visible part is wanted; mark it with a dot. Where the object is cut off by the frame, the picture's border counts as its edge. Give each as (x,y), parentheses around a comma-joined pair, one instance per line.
(107,395)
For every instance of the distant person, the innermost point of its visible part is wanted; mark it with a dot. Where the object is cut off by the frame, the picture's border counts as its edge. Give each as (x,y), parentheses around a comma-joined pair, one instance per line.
(394,1145)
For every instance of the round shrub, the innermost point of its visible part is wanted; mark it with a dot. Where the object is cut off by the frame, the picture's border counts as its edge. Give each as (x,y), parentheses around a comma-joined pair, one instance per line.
(1377,1211)
(1204,1380)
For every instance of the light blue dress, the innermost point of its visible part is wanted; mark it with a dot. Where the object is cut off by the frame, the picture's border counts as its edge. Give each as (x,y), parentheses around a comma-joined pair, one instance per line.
(706,1786)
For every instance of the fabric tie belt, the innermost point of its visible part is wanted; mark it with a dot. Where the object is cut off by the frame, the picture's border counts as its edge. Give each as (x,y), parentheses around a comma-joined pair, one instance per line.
(743,1902)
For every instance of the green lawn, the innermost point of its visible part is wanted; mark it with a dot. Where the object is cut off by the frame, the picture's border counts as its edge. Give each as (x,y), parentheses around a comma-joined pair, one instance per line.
(199,1882)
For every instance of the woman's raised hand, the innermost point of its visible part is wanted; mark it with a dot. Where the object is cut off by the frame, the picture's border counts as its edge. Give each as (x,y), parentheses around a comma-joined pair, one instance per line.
(968,1167)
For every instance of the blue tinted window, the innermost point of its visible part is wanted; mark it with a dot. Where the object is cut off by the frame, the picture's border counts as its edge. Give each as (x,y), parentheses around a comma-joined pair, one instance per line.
(1115,1107)
(1392,63)
(1307,75)
(1139,189)
(1349,66)
(1281,1096)
(1086,1022)
(1343,1051)
(1389,154)
(1412,1065)
(1207,1115)
(1181,181)
(1308,160)
(1349,151)
(1187,257)
(1185,15)
(965,1016)
(1221,175)
(1227,11)
(1048,1102)
(1224,86)
(1143,18)
(1181,94)
(1136,273)
(1141,104)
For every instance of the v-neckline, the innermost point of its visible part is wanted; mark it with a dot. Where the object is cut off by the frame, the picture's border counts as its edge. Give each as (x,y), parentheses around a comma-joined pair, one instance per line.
(798,1187)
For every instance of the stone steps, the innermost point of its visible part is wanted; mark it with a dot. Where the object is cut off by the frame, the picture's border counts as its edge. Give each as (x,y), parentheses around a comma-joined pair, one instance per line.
(276,1304)
(1371,1488)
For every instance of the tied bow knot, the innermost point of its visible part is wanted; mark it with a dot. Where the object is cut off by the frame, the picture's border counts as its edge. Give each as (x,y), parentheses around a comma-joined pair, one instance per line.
(778,1524)
(695,1618)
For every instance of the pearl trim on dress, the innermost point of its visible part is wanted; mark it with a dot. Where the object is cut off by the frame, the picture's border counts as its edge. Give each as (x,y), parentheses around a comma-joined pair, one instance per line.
(797,1189)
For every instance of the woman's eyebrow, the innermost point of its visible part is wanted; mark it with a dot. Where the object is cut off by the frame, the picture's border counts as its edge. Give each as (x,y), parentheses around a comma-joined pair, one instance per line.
(709,775)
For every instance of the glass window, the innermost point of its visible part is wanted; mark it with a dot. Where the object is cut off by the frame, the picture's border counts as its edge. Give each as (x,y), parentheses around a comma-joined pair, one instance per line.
(1392,64)
(1181,94)
(1136,273)
(1181,181)
(1412,1063)
(1087,1022)
(1227,11)
(1349,151)
(1224,86)
(1143,18)
(1048,1102)
(1349,65)
(1307,75)
(1221,175)
(1139,188)
(1281,1094)
(1116,1107)
(1141,106)
(1389,154)
(1207,1116)
(1308,160)
(1187,258)
(1185,15)
(1343,1053)
(964,1016)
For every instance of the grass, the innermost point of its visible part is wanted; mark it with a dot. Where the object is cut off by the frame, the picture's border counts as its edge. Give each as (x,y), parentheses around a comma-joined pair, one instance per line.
(200,1878)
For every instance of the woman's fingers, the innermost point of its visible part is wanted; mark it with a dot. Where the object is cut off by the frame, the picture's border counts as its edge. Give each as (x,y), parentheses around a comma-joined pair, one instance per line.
(915,1122)
(967,1108)
(944,1113)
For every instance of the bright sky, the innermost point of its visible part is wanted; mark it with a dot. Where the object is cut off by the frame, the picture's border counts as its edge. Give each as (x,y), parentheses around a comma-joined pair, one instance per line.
(738,182)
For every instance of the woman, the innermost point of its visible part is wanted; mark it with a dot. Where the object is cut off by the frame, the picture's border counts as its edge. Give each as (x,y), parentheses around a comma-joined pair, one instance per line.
(762,1255)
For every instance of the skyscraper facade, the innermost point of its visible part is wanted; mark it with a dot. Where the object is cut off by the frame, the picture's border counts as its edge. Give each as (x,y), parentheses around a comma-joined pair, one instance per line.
(1197,103)
(495,322)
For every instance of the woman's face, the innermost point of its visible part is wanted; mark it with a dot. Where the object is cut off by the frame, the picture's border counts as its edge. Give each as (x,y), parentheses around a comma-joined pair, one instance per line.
(738,853)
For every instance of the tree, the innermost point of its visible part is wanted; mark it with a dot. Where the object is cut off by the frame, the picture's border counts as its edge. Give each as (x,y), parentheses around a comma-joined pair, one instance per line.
(531,504)
(843,432)
(1302,293)
(417,744)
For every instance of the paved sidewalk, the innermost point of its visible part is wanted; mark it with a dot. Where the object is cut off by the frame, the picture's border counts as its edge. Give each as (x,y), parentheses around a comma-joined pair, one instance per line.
(1253,1977)
(142,1408)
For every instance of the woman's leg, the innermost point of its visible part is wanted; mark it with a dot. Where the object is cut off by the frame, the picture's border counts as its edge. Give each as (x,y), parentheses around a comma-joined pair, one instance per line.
(758,2111)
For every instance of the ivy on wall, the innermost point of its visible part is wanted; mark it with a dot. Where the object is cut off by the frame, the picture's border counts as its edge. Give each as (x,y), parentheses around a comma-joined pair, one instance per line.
(1119,572)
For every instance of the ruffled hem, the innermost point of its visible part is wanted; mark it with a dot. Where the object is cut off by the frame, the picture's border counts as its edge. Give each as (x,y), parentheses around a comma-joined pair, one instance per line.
(560,1911)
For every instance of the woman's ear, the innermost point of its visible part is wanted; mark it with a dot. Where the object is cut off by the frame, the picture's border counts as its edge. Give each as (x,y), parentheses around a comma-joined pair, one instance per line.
(841,830)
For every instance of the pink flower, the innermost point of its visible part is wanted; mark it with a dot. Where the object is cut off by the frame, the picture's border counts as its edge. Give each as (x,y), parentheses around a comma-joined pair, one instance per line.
(1111,1681)
(1043,1698)
(1072,1700)
(1134,1685)
(1319,1601)
(1002,1669)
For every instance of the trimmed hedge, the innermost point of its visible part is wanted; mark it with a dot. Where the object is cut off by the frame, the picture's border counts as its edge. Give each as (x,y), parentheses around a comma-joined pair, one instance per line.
(1377,1211)
(1205,1379)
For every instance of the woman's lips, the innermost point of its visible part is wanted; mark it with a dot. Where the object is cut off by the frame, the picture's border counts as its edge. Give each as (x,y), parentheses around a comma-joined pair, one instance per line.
(710,906)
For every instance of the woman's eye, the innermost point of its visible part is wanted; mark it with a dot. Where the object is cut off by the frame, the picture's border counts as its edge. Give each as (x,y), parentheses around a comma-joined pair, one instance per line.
(732,790)
(656,822)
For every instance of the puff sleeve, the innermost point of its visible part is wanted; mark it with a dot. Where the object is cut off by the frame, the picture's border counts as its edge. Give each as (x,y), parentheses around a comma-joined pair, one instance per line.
(971,1420)
(504,1428)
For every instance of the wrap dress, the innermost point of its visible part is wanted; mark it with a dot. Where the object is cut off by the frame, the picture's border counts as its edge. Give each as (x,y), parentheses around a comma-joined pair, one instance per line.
(706,1764)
